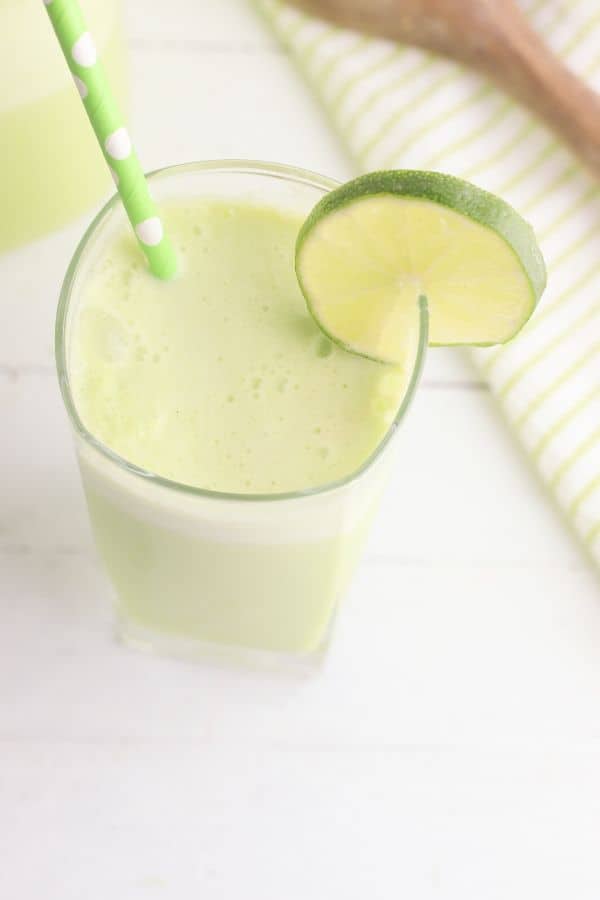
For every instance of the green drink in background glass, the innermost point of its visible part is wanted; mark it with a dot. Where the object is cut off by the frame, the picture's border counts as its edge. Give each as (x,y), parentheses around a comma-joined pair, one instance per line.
(50,168)
(232,456)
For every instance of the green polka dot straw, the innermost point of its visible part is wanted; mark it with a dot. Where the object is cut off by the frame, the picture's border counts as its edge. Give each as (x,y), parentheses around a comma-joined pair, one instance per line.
(103,112)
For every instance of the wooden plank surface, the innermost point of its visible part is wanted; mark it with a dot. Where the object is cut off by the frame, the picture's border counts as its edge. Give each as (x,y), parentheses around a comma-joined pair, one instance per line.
(450,746)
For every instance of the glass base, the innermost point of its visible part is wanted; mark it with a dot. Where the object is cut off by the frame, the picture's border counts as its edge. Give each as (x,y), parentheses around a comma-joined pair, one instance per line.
(136,637)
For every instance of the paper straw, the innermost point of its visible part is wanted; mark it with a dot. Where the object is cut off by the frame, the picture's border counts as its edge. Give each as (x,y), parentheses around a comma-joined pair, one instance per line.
(103,112)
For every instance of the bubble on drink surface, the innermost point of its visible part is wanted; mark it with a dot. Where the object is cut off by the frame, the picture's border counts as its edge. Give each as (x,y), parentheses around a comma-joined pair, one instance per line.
(126,277)
(304,326)
(324,347)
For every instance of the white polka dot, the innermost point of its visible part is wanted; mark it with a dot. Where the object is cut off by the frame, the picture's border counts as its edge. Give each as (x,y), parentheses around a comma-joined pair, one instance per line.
(115,177)
(84,51)
(118,144)
(150,231)
(81,87)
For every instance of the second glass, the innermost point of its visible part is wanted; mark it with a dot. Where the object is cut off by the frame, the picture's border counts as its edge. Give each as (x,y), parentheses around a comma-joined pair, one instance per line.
(50,167)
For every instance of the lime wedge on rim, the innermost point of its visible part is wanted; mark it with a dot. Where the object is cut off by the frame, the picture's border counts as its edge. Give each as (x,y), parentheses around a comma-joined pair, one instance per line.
(372,247)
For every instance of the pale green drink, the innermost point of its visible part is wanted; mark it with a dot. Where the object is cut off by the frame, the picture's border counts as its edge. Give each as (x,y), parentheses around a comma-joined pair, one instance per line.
(50,167)
(220,383)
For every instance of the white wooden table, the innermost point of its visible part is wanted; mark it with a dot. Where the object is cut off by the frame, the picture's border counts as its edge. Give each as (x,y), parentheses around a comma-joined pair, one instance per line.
(450,747)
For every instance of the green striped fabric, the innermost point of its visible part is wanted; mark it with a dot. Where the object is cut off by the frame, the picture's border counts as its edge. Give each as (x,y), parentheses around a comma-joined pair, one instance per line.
(396,106)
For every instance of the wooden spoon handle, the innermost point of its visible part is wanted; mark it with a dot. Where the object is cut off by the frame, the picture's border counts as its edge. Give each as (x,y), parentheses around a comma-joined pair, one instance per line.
(517,59)
(494,37)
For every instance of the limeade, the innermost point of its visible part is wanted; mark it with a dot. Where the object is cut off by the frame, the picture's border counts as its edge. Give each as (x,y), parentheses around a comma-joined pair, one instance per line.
(220,380)
(50,167)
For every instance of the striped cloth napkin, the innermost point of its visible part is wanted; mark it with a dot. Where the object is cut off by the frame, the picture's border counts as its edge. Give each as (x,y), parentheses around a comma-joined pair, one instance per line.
(396,106)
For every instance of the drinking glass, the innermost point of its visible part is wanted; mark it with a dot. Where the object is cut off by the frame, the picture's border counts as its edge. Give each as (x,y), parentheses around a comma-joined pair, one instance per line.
(50,167)
(196,570)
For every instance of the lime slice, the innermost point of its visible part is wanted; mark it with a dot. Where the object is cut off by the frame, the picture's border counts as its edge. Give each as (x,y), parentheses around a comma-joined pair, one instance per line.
(373,246)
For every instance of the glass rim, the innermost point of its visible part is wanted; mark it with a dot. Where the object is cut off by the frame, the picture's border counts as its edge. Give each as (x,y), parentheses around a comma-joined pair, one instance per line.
(238,166)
